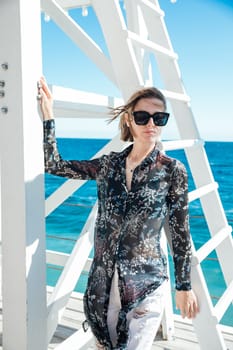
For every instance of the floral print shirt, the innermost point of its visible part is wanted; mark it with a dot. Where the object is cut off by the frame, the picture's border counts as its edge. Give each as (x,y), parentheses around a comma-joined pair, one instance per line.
(128,228)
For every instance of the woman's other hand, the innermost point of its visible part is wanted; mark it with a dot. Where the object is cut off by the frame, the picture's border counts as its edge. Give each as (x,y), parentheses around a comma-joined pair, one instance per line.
(45,99)
(186,302)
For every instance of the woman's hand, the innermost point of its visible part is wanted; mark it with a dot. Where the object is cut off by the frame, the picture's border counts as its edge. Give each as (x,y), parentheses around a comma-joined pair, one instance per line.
(45,99)
(186,302)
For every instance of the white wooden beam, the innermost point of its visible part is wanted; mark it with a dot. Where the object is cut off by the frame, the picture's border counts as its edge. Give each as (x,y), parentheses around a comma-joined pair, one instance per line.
(209,334)
(181,144)
(61,93)
(122,55)
(63,109)
(223,303)
(79,340)
(60,259)
(22,190)
(0,215)
(151,46)
(71,103)
(202,191)
(171,95)
(135,23)
(158,34)
(79,36)
(151,7)
(211,244)
(69,4)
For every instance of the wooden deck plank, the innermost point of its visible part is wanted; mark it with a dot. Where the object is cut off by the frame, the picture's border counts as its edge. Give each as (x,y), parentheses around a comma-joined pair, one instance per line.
(185,338)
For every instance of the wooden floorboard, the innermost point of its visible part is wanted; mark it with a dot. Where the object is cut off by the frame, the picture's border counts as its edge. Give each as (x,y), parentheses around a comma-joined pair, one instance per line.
(184,339)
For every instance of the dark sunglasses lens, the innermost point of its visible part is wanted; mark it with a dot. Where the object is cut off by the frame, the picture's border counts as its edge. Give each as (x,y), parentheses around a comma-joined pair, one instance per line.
(160,119)
(141,118)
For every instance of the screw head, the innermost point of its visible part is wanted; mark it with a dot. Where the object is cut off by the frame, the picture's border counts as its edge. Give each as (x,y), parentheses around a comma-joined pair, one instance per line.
(4,66)
(4,110)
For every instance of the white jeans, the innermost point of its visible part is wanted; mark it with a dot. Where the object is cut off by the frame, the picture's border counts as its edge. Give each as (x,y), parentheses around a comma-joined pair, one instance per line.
(143,321)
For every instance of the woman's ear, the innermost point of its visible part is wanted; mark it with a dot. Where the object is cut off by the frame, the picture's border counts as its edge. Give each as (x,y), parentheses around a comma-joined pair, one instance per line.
(126,119)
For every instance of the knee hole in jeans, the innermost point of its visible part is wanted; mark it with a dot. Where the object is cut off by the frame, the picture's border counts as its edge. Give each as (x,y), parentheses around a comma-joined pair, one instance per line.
(140,312)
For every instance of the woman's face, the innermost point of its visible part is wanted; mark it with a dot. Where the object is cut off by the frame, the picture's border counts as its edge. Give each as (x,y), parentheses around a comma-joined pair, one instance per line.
(150,132)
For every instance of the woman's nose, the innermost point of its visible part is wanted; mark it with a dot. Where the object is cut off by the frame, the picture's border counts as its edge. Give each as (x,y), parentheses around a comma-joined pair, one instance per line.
(150,122)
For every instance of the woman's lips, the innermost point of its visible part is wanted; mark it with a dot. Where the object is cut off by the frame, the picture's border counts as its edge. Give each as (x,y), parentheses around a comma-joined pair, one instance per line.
(150,132)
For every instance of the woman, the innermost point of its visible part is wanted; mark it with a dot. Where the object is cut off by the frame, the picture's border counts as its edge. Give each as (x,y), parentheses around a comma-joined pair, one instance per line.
(137,189)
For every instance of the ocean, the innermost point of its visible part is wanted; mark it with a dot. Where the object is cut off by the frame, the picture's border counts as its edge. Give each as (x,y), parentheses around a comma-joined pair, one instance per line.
(64,225)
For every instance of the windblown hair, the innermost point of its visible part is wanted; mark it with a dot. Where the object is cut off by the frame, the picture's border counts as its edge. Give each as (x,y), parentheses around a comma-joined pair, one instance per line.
(148,92)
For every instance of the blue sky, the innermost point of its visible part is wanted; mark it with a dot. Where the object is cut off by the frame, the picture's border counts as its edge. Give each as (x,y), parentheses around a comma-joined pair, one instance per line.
(201,33)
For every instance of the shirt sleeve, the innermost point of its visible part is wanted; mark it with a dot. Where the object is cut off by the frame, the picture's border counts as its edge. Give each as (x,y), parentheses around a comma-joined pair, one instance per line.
(179,227)
(73,169)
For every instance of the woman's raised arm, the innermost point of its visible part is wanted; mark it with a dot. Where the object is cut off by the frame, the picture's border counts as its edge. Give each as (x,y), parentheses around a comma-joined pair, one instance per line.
(54,164)
(45,98)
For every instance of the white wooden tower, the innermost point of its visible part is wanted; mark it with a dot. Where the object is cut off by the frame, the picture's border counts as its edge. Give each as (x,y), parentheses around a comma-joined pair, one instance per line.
(130,38)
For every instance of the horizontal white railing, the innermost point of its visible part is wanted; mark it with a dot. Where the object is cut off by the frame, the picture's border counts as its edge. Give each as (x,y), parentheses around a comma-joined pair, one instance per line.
(224,302)
(69,4)
(202,191)
(150,45)
(60,259)
(211,245)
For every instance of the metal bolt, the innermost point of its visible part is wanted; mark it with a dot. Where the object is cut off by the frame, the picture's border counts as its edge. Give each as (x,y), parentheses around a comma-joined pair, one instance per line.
(2,93)
(4,66)
(2,83)
(4,110)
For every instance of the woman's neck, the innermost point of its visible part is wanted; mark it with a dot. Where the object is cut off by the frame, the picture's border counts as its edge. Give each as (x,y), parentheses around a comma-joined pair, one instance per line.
(140,151)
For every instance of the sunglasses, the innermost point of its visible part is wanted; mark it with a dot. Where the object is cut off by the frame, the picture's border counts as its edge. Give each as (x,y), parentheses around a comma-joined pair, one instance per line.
(142,118)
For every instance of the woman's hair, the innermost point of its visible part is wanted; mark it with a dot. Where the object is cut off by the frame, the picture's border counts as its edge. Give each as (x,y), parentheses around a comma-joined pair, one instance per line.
(148,92)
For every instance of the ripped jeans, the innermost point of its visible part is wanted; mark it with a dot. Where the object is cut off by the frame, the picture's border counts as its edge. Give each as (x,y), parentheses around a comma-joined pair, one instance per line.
(143,321)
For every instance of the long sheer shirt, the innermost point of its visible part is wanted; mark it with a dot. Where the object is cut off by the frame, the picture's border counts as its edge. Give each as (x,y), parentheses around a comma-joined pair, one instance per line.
(128,228)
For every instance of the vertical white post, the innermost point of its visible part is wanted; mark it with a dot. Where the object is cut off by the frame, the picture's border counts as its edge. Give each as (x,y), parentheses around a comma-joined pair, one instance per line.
(121,51)
(0,237)
(23,238)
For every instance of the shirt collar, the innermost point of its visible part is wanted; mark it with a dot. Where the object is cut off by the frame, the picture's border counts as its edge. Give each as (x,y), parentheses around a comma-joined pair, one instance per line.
(151,156)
